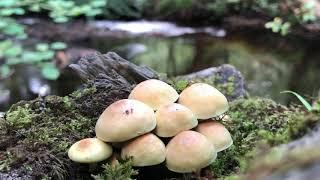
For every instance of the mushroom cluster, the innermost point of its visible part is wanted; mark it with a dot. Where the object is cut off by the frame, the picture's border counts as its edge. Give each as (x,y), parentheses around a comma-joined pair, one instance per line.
(153,111)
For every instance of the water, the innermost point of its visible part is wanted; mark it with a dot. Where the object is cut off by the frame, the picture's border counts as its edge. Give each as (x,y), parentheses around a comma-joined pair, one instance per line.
(269,64)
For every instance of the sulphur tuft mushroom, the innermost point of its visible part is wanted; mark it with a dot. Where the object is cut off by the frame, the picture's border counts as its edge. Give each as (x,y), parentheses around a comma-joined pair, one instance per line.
(189,151)
(89,150)
(124,120)
(174,118)
(154,93)
(146,150)
(216,133)
(204,100)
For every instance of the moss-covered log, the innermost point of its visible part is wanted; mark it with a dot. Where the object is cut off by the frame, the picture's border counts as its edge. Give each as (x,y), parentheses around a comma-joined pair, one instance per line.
(35,135)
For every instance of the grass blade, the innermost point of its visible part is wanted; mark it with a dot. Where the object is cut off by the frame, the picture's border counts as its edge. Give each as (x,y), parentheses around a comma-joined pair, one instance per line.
(301,99)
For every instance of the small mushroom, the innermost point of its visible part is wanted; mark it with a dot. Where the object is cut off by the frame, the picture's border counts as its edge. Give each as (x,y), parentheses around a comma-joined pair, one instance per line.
(89,150)
(216,133)
(189,151)
(174,118)
(146,150)
(204,100)
(124,120)
(154,93)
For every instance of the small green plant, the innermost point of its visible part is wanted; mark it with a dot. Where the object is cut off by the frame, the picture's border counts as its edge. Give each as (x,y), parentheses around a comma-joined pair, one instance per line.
(278,26)
(14,33)
(307,12)
(121,171)
(40,56)
(305,103)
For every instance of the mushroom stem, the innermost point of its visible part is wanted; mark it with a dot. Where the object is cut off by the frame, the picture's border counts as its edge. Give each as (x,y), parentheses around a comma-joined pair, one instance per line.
(92,167)
(198,174)
(186,176)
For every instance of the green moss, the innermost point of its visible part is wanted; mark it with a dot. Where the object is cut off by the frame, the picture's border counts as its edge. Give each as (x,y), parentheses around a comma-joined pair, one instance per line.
(6,161)
(227,87)
(259,122)
(120,171)
(38,137)
(20,117)
(83,92)
(180,85)
(44,135)
(255,123)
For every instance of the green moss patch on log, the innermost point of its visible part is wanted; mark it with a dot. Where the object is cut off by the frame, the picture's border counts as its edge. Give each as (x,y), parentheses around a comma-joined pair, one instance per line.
(37,140)
(256,123)
(225,78)
(38,137)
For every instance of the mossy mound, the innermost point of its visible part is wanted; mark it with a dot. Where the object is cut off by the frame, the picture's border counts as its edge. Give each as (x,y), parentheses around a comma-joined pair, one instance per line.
(35,135)
(38,134)
(256,125)
(35,139)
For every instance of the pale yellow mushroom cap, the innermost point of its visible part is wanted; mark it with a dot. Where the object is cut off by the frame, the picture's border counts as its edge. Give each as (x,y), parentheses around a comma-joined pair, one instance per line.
(154,93)
(174,118)
(146,150)
(89,150)
(189,151)
(204,100)
(216,133)
(124,120)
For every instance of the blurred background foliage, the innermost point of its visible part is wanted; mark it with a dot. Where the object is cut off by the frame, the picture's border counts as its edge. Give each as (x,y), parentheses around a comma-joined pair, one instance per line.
(282,16)
(12,32)
(173,56)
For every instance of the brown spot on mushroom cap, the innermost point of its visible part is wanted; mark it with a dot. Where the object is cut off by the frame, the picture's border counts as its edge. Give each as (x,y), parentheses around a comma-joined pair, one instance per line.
(154,93)
(189,151)
(146,150)
(84,144)
(174,118)
(216,133)
(204,100)
(89,150)
(124,120)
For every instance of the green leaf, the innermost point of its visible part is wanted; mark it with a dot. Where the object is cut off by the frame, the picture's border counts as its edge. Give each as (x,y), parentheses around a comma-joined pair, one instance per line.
(6,12)
(98,3)
(4,45)
(58,45)
(301,99)
(4,70)
(60,19)
(13,29)
(50,71)
(7,3)
(285,28)
(42,47)
(13,61)
(46,55)
(30,57)
(12,51)
(93,12)
(309,5)
(3,23)
(35,8)
(19,11)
